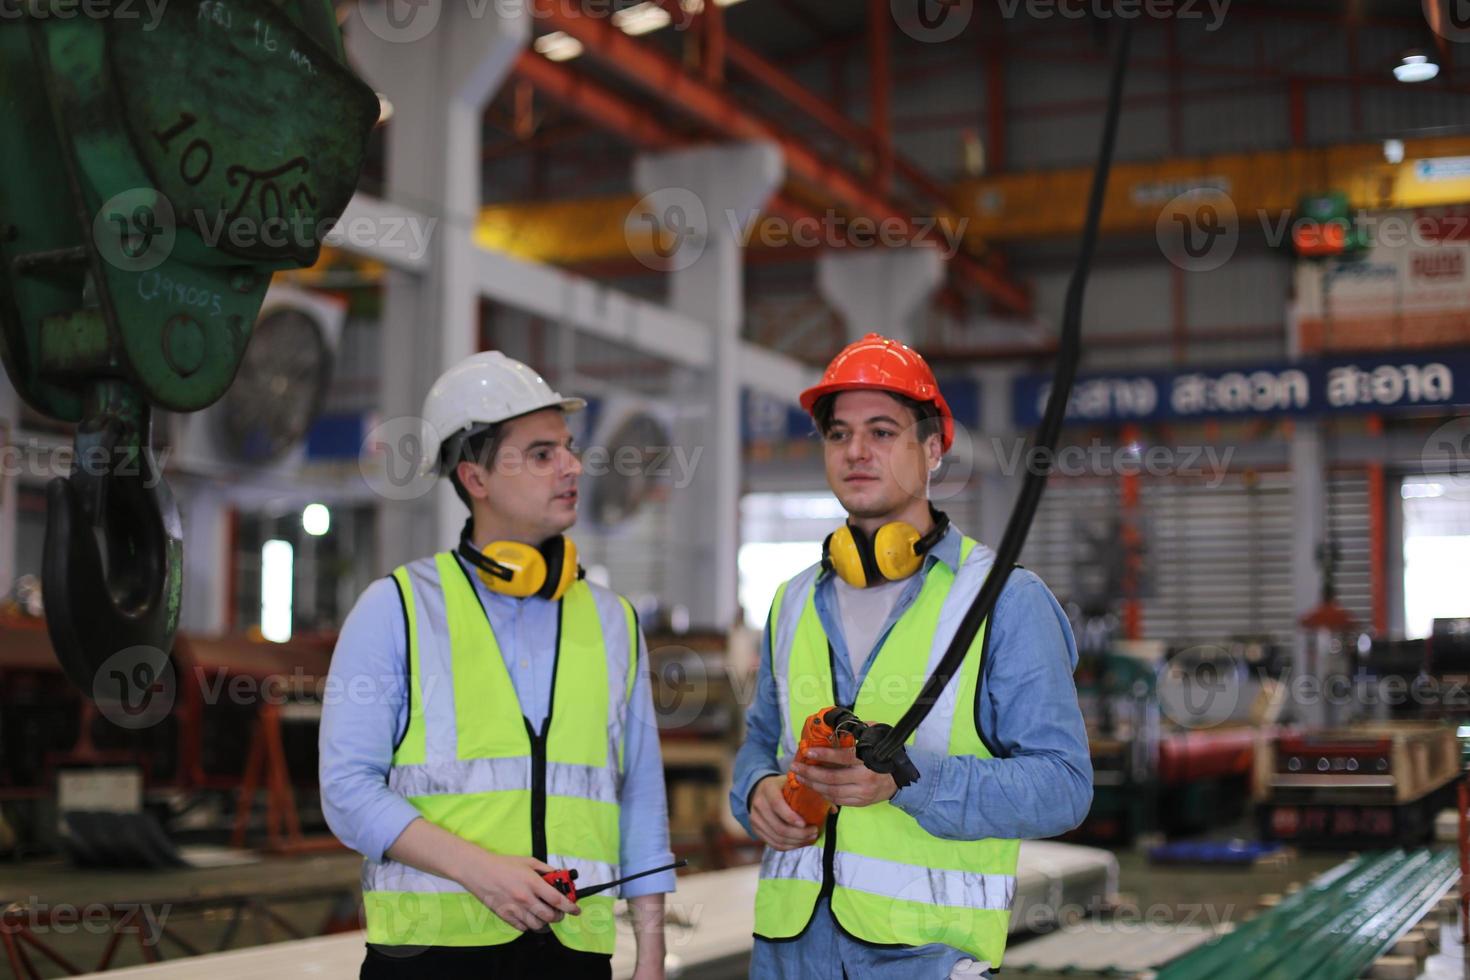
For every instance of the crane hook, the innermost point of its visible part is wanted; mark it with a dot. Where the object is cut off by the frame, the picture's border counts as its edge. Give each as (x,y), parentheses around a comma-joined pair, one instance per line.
(112,570)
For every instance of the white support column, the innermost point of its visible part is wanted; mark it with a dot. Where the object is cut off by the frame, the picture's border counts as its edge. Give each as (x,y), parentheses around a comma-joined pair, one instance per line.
(1308,520)
(438,67)
(995,448)
(730,183)
(9,479)
(204,511)
(1307,460)
(879,289)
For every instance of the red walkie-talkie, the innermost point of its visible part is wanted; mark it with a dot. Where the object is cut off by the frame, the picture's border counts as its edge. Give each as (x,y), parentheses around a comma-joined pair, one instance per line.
(564,880)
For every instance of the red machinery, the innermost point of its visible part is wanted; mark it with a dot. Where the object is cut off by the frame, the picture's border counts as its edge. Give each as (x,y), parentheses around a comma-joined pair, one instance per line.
(219,724)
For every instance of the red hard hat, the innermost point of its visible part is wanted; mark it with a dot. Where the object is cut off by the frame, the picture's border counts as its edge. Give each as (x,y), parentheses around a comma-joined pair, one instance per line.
(877,363)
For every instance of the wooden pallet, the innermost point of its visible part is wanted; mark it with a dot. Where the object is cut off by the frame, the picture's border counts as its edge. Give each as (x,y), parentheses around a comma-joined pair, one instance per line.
(1406,961)
(1423,756)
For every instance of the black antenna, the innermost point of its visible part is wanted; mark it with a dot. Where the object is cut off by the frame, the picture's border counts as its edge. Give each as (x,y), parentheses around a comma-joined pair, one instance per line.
(1047,434)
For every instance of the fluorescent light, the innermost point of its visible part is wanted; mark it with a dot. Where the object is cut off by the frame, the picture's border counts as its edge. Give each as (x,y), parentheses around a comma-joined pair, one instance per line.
(277,567)
(558,46)
(1393,151)
(316,519)
(1414,491)
(641,18)
(1416,67)
(697,6)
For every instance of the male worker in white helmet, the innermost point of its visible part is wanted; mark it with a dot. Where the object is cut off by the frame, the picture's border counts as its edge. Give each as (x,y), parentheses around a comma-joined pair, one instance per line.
(507,730)
(865,876)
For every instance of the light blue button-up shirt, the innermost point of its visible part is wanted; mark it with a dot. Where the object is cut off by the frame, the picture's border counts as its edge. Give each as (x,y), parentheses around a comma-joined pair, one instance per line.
(1038,785)
(366,714)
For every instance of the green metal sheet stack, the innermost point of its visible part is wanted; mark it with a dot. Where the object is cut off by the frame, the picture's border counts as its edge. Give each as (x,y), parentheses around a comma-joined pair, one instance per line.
(1333,929)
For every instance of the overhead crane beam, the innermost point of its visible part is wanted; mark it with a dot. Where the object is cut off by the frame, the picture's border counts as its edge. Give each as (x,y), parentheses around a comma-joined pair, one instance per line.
(717,111)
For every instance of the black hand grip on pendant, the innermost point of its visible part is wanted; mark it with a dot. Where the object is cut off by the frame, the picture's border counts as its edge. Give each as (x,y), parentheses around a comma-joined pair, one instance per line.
(1047,434)
(112,569)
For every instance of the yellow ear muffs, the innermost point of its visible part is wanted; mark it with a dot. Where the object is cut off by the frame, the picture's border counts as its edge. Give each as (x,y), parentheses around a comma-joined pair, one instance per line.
(526,565)
(546,572)
(843,555)
(562,569)
(894,550)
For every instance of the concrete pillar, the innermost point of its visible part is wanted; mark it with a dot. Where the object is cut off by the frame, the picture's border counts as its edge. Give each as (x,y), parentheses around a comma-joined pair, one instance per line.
(879,289)
(995,448)
(9,480)
(204,510)
(438,62)
(729,184)
(1308,513)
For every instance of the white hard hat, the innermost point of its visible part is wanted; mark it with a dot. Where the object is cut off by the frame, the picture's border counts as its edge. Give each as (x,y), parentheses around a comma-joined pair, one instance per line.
(480,390)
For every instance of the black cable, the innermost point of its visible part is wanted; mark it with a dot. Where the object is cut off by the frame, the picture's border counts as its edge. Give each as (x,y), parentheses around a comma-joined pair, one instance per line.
(891,744)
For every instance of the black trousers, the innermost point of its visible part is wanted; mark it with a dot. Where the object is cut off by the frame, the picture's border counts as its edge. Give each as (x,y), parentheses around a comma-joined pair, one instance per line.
(535,955)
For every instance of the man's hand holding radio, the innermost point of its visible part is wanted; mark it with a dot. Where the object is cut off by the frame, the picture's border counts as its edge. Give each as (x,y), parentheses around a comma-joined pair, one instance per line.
(841,778)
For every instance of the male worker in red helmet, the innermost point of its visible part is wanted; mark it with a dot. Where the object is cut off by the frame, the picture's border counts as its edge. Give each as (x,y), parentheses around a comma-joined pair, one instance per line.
(496,721)
(912,882)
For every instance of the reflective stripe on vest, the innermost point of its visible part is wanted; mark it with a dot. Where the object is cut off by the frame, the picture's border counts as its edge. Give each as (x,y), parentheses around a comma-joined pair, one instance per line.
(469,762)
(891,882)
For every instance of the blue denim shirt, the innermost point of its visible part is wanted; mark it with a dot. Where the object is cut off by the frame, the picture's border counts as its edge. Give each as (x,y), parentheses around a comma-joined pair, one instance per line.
(366,712)
(1039,785)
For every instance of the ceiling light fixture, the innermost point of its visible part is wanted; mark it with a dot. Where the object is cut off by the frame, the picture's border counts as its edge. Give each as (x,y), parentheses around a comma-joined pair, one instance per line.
(641,18)
(1416,67)
(558,46)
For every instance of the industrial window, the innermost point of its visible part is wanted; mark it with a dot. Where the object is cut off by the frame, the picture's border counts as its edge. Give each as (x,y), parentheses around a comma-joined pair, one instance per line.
(781,533)
(1436,543)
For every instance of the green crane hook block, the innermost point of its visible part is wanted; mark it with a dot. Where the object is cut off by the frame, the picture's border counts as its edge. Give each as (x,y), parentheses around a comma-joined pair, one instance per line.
(160,164)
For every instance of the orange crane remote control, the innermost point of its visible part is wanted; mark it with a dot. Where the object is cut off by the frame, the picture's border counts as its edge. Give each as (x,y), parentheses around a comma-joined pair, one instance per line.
(839,728)
(816,731)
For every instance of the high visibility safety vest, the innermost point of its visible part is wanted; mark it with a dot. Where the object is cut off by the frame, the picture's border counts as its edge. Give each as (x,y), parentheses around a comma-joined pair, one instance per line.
(470,762)
(890,881)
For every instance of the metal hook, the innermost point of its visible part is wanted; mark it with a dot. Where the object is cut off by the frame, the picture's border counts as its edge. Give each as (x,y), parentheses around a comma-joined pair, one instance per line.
(112,571)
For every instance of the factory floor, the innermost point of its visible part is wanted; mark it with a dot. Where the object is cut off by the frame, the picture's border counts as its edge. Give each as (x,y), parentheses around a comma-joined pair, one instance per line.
(197,906)
(1153,898)
(1163,896)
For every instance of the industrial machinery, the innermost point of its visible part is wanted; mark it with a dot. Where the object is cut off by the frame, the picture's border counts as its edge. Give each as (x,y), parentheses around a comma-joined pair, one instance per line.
(229,717)
(1421,678)
(1368,785)
(1173,738)
(160,170)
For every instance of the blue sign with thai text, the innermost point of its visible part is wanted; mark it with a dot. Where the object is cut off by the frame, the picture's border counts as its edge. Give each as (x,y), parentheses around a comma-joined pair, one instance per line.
(1376,382)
